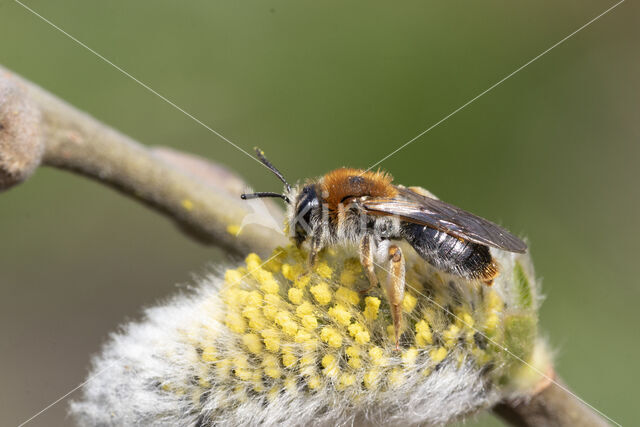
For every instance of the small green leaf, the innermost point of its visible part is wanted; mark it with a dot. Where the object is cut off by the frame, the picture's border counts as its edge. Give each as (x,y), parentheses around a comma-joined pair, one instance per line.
(522,286)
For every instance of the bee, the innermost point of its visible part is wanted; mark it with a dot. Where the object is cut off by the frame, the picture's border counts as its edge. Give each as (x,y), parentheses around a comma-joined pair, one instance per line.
(363,208)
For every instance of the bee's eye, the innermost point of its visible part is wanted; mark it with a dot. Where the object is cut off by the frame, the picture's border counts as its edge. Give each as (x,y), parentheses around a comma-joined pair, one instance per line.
(307,203)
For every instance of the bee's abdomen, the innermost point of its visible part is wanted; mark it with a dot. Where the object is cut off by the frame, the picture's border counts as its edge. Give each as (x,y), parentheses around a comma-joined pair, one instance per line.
(450,254)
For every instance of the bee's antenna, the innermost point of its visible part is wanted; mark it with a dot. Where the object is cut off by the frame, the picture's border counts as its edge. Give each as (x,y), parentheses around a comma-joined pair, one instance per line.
(273,169)
(264,194)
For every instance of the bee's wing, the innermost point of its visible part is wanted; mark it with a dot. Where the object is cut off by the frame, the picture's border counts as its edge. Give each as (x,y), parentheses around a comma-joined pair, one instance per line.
(417,208)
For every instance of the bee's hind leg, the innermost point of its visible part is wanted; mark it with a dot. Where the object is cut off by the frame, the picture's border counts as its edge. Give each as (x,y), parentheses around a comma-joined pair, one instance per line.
(395,288)
(366,259)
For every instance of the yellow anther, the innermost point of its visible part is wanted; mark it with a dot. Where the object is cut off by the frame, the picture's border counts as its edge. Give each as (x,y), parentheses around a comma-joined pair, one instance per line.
(423,333)
(377,356)
(304,309)
(256,380)
(271,366)
(232,277)
(253,343)
(253,261)
(302,336)
(346,380)
(352,351)
(353,354)
(323,270)
(188,205)
(302,281)
(437,355)
(241,368)
(235,322)
(450,335)
(287,272)
(257,322)
(288,358)
(409,356)
(493,301)
(347,295)
(271,339)
(340,314)
(348,278)
(330,365)
(270,307)
(309,322)
(359,334)
(331,336)
(371,306)
(321,293)
(283,319)
(236,297)
(466,319)
(314,382)
(353,265)
(209,354)
(295,295)
(409,302)
(254,299)
(269,285)
(371,378)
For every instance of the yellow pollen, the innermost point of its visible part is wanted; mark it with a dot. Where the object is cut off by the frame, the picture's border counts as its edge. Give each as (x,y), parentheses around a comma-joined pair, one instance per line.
(323,270)
(359,334)
(371,378)
(271,339)
(232,229)
(437,355)
(372,304)
(377,356)
(423,333)
(321,293)
(309,322)
(331,336)
(409,302)
(340,314)
(295,295)
(304,309)
(347,295)
(330,365)
(209,354)
(253,343)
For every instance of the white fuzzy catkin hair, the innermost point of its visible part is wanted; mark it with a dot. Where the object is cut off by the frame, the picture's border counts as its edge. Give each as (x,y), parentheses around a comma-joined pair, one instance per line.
(264,345)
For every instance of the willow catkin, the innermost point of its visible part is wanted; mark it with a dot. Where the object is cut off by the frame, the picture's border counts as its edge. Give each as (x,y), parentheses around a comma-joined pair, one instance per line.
(264,344)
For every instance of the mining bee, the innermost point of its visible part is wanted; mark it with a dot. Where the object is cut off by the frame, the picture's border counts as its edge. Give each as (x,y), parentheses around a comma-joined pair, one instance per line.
(353,206)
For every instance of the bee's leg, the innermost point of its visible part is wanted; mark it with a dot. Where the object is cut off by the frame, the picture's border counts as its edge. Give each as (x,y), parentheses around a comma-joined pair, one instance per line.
(366,259)
(395,288)
(313,255)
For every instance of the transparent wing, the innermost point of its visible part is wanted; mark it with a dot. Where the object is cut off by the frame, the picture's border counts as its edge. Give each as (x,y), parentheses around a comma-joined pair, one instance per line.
(417,208)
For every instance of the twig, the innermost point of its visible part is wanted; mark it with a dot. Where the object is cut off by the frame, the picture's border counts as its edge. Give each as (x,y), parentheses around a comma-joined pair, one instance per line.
(552,406)
(200,196)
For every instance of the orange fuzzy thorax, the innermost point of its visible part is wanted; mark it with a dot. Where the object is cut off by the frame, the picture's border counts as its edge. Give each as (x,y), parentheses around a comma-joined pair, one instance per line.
(342,184)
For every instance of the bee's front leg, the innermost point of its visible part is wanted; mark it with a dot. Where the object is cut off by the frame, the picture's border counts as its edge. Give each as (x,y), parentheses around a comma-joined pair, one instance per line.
(316,246)
(366,259)
(395,288)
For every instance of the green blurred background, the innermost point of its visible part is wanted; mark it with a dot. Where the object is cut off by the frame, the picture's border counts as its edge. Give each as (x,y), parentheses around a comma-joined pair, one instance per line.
(552,153)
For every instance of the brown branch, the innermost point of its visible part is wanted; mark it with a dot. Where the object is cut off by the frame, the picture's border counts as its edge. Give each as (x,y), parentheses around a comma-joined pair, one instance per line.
(200,196)
(551,406)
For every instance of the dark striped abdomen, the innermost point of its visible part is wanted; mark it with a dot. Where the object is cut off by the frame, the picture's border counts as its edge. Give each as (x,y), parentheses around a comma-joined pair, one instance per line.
(450,254)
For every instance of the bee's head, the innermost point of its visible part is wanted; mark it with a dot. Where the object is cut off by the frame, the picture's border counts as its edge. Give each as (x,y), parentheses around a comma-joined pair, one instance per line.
(307,207)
